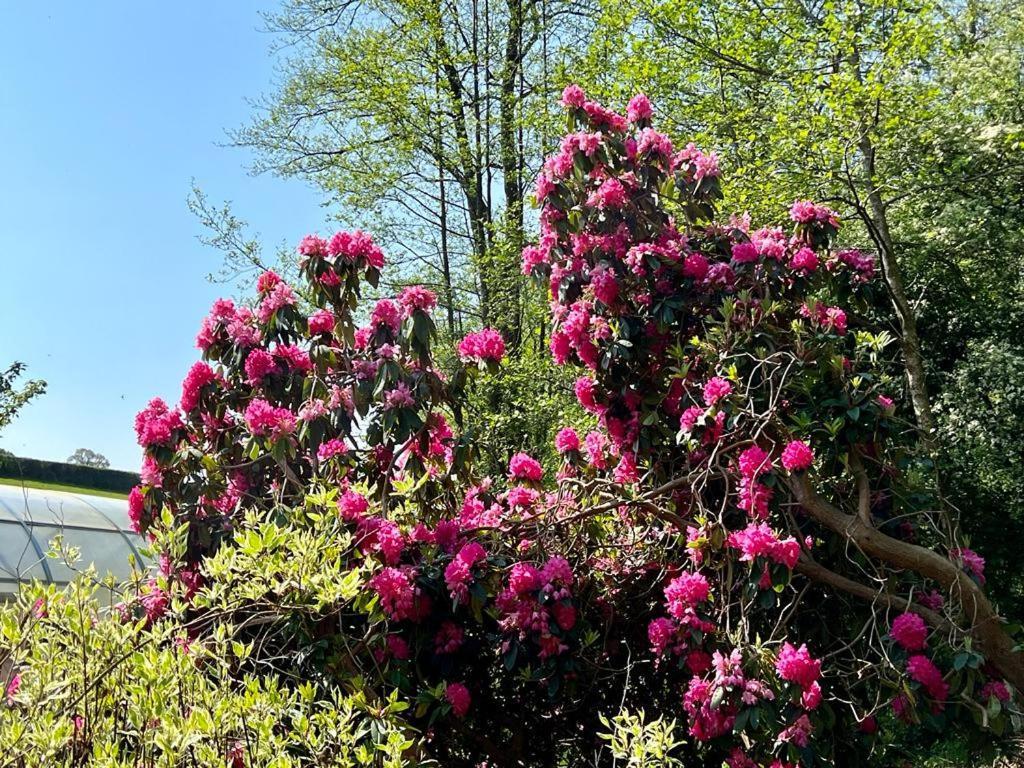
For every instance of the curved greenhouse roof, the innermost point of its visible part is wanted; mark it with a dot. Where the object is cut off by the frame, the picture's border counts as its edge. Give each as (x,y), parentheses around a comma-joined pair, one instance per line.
(29,520)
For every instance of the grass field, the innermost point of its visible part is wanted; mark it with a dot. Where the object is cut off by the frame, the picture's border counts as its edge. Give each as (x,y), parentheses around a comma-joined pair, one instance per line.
(60,487)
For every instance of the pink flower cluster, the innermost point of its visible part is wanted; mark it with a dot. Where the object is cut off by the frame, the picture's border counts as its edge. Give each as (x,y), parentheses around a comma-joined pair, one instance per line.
(970,561)
(156,424)
(759,540)
(923,670)
(909,632)
(537,604)
(266,420)
(415,298)
(806,212)
(522,466)
(797,456)
(482,347)
(797,666)
(459,572)
(355,248)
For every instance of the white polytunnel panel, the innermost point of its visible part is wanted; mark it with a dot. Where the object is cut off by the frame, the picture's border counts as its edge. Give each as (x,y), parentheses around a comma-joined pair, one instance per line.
(96,526)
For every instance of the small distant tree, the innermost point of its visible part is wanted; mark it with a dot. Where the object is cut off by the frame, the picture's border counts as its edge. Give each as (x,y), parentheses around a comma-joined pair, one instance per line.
(12,397)
(88,458)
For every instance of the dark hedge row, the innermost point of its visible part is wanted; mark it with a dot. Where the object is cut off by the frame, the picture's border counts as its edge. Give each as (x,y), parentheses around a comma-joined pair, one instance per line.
(68,474)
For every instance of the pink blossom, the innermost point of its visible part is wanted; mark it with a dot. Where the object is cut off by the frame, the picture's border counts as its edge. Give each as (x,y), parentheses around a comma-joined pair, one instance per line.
(970,561)
(804,260)
(661,633)
(136,508)
(397,592)
(685,592)
(483,346)
(352,505)
(399,397)
(797,456)
(356,248)
(744,253)
(754,461)
(280,296)
(330,448)
(994,689)
(264,419)
(386,315)
(155,425)
(924,671)
(567,440)
(321,321)
(312,245)
(573,97)
(715,389)
(199,375)
(459,698)
(759,540)
(910,632)
(639,109)
(796,665)
(416,298)
(695,266)
(258,365)
(522,466)
(611,194)
(151,473)
(267,281)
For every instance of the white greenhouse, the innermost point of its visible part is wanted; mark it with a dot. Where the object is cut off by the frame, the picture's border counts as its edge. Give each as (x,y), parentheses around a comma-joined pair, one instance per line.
(30,519)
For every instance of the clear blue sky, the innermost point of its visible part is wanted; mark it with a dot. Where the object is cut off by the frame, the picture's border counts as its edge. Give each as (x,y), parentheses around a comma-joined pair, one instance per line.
(107,112)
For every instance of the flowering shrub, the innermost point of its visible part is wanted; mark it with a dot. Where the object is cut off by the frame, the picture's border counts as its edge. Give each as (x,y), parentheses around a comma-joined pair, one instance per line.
(744,505)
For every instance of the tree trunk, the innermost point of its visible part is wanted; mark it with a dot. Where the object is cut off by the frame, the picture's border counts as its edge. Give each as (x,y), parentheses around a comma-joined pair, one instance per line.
(980,618)
(877,221)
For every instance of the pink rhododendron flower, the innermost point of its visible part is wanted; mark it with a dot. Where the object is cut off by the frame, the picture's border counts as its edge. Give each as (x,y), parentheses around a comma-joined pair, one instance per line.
(312,245)
(639,109)
(136,508)
(797,456)
(796,665)
(567,440)
(804,260)
(483,346)
(685,592)
(970,561)
(352,505)
(198,376)
(759,540)
(745,253)
(356,248)
(331,448)
(155,425)
(416,297)
(321,321)
(263,419)
(924,671)
(910,632)
(715,389)
(522,466)
(458,696)
(996,689)
(754,461)
(573,97)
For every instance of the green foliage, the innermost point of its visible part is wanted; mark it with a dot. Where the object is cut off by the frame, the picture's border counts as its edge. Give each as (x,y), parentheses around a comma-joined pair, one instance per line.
(214,687)
(14,396)
(642,743)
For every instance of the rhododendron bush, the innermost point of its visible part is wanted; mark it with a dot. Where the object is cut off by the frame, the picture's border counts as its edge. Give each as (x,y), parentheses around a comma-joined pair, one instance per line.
(743,539)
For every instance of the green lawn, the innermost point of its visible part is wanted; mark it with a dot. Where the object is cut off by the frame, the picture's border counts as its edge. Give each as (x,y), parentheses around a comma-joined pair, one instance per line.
(61,487)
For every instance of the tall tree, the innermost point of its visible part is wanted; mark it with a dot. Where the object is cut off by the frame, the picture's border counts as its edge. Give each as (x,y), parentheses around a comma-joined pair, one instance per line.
(857,100)
(424,120)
